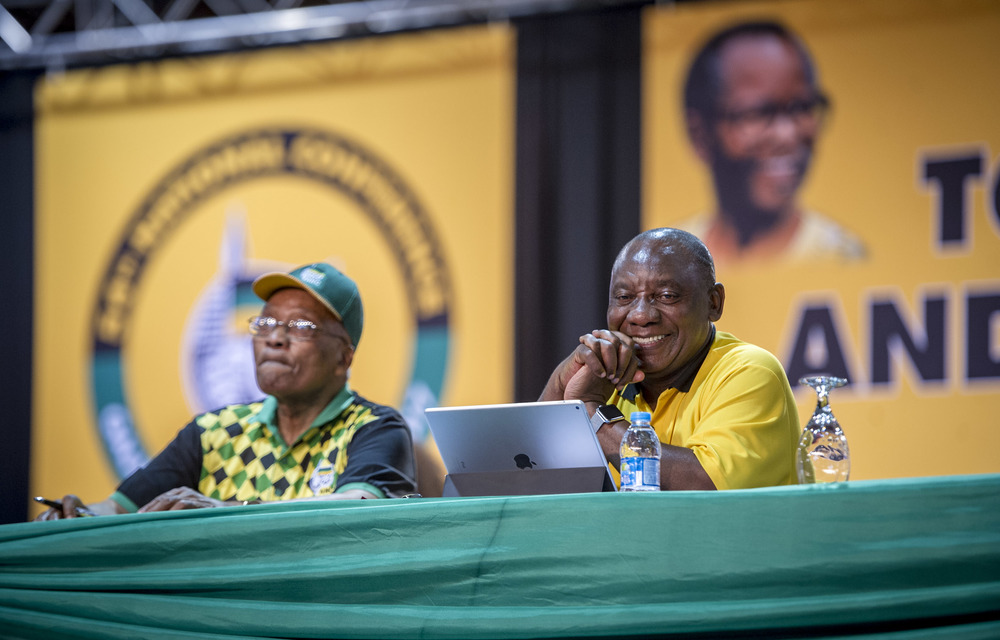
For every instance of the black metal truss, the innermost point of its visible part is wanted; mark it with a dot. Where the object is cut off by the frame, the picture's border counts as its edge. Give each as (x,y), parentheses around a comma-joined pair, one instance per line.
(57,34)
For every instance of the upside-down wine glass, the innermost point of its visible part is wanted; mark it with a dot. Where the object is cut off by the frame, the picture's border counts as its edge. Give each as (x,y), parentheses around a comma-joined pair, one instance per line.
(823,455)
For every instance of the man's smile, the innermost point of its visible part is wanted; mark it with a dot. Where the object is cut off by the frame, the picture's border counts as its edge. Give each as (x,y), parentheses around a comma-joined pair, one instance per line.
(647,341)
(782,166)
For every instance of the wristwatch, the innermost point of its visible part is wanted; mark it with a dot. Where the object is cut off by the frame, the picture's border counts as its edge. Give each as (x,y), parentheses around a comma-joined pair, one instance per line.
(605,413)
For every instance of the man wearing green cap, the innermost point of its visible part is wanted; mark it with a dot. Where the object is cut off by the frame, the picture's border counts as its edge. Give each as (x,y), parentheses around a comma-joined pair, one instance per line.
(312,437)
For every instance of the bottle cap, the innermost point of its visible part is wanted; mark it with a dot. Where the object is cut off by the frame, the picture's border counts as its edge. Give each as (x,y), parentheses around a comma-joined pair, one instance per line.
(641,416)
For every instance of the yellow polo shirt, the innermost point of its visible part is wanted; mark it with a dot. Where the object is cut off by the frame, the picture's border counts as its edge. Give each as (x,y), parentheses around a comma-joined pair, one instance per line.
(738,416)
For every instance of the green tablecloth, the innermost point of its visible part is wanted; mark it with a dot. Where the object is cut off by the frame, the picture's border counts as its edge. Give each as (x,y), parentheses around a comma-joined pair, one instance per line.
(916,558)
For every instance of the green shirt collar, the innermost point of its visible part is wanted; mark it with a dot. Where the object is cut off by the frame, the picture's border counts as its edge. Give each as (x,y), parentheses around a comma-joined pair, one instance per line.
(268,412)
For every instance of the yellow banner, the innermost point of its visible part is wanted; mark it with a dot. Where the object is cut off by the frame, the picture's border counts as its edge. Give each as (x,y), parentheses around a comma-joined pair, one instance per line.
(164,188)
(853,208)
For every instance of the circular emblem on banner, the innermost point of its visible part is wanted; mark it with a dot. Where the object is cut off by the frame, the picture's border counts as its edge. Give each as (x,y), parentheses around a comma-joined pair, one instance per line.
(322,157)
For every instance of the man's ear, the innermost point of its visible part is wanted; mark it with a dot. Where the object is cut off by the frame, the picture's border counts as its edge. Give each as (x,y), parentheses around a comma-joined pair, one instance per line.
(698,133)
(347,357)
(716,301)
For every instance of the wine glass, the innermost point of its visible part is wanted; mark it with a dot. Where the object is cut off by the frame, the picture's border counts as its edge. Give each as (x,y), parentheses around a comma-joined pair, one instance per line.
(823,455)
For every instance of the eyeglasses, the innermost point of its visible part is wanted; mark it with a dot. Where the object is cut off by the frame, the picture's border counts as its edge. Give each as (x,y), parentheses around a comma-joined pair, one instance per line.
(264,326)
(756,120)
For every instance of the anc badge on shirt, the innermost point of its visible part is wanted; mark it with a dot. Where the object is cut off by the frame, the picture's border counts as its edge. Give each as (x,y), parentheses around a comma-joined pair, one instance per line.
(322,479)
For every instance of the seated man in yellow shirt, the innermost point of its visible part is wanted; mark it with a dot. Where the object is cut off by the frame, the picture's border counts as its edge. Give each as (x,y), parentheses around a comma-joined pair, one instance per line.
(722,408)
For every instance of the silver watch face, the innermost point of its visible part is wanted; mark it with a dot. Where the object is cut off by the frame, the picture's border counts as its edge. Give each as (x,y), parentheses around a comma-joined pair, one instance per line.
(610,413)
(605,414)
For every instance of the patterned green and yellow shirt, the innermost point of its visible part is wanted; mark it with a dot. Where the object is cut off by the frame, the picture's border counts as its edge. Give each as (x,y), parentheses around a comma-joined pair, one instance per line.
(237,453)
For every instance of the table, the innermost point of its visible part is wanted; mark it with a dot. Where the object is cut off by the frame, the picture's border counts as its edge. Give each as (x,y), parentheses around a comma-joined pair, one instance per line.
(887,559)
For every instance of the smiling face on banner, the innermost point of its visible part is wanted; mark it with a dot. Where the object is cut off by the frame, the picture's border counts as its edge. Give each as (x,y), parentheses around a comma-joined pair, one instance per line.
(757,132)
(844,177)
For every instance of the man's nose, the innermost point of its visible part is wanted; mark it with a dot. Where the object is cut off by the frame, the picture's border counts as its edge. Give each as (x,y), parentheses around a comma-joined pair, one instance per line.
(643,311)
(786,127)
(278,336)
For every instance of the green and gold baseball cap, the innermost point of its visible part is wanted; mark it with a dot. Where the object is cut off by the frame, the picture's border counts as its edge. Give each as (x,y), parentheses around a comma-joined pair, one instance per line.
(333,289)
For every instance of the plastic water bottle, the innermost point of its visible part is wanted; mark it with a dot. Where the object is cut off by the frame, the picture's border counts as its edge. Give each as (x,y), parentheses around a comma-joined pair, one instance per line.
(640,455)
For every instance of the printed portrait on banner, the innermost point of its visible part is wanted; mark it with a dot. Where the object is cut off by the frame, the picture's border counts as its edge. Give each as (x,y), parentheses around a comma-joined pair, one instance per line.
(754,112)
(840,162)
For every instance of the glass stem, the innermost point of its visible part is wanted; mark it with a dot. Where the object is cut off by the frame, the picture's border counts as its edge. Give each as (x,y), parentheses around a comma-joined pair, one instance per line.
(822,400)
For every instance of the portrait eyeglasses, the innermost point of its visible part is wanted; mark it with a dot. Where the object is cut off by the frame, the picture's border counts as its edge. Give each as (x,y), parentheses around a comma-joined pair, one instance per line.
(264,326)
(803,112)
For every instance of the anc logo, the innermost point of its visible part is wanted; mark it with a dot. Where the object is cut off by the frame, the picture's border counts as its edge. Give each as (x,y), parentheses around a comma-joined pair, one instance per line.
(320,156)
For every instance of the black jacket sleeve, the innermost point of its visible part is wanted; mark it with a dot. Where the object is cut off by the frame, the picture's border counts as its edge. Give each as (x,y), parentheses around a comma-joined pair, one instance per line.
(178,465)
(381,454)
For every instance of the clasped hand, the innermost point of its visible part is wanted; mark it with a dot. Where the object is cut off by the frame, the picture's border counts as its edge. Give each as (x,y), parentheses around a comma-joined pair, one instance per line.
(604,361)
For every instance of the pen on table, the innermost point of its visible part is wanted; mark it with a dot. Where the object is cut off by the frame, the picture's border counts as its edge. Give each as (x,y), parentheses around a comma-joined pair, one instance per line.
(55,504)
